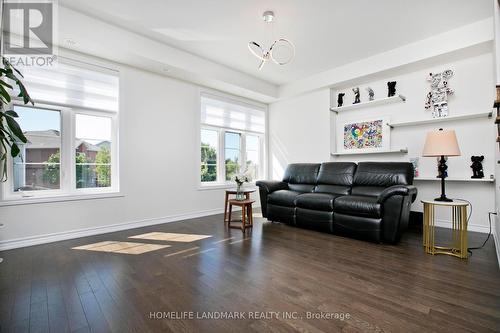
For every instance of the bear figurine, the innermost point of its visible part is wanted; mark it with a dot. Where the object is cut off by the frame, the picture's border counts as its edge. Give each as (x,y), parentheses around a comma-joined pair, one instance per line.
(340,99)
(477,166)
(391,88)
(356,95)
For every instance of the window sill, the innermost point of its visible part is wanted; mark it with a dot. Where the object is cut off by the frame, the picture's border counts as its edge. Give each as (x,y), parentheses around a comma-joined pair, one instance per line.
(59,198)
(208,187)
(224,186)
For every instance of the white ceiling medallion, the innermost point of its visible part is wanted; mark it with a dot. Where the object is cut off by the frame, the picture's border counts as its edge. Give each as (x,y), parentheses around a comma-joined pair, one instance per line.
(278,46)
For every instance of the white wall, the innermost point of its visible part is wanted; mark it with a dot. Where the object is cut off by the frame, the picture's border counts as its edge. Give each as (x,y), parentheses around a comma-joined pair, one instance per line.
(159,161)
(300,128)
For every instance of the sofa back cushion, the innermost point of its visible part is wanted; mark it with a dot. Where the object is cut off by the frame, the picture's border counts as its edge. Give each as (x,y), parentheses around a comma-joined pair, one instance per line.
(301,177)
(335,177)
(372,177)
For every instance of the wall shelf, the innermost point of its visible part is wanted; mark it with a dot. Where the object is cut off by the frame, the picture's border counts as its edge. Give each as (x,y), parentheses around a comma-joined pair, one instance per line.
(451,179)
(398,151)
(440,120)
(381,101)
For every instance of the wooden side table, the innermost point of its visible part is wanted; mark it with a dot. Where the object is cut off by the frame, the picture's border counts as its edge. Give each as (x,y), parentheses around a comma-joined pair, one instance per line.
(246,213)
(459,228)
(246,192)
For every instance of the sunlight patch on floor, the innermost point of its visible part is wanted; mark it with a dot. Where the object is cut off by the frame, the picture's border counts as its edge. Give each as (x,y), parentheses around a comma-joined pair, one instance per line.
(121,247)
(172,237)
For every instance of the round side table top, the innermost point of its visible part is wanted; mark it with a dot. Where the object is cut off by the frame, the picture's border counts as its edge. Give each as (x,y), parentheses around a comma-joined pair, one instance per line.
(244,190)
(455,202)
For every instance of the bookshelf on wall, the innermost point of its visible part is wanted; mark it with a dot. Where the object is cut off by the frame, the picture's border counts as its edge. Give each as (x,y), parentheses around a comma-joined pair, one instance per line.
(394,125)
(357,106)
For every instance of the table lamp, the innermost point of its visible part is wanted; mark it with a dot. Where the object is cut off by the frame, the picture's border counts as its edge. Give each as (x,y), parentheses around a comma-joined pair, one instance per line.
(441,143)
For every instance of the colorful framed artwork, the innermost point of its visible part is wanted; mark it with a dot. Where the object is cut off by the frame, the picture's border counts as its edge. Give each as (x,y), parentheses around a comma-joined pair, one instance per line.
(363,135)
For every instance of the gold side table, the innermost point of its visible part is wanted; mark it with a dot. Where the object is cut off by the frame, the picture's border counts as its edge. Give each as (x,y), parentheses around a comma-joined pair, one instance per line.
(459,228)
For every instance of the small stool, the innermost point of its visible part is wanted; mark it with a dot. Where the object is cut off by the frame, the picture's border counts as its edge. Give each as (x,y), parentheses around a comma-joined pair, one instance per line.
(246,213)
(246,192)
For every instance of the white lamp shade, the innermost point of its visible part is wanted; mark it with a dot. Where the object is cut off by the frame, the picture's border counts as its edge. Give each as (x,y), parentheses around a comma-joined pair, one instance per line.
(441,143)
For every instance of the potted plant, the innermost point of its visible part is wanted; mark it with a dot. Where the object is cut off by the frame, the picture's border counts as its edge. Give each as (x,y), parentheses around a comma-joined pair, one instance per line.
(11,134)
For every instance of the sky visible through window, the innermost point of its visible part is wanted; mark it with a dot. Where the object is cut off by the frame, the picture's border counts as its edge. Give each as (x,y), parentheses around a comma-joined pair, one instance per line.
(31,119)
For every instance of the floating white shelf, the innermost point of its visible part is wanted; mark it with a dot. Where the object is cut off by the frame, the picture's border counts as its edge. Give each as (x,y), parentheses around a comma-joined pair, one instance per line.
(440,120)
(451,179)
(355,152)
(381,101)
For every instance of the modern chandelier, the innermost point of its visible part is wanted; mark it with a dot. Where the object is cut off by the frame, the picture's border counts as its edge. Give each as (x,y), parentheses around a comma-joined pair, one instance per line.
(280,43)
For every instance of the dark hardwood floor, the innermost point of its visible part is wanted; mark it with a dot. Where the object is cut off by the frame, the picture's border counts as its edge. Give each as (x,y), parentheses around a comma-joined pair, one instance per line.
(275,268)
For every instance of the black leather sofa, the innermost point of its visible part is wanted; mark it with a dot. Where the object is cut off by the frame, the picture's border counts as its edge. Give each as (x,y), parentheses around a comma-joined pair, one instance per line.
(368,200)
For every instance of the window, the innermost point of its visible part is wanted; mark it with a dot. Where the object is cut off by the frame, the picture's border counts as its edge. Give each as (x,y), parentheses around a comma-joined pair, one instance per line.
(209,147)
(71,132)
(38,167)
(232,140)
(92,151)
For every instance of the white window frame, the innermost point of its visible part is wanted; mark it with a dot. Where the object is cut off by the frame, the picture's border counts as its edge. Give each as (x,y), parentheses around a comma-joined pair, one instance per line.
(67,190)
(221,181)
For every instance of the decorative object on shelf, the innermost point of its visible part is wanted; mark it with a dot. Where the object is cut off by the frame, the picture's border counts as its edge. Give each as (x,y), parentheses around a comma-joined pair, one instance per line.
(415,161)
(477,166)
(240,179)
(442,144)
(278,44)
(371,94)
(437,98)
(340,99)
(363,136)
(391,88)
(356,95)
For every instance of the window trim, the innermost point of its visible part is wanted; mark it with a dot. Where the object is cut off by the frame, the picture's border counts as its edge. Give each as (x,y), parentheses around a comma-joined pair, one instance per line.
(67,190)
(264,138)
(221,181)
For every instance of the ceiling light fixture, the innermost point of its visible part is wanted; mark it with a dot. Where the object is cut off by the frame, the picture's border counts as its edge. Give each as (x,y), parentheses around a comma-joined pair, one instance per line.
(280,43)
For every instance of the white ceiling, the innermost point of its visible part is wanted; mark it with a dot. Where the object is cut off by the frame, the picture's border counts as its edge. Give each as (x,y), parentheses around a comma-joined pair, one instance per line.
(326,33)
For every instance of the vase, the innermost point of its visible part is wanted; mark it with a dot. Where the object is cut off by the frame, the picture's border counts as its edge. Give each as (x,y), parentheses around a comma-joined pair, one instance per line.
(239,192)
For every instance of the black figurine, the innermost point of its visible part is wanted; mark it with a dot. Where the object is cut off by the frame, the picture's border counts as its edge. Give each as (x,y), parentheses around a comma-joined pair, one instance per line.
(477,166)
(340,99)
(391,86)
(356,95)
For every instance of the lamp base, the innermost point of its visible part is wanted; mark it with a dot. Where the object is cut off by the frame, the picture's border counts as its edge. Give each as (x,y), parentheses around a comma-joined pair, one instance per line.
(445,199)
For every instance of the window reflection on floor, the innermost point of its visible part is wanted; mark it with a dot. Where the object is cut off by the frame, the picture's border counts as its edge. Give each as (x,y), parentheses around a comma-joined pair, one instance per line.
(172,237)
(121,247)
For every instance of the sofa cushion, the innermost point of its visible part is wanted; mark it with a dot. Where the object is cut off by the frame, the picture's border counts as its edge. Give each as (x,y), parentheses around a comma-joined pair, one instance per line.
(336,173)
(316,201)
(358,205)
(301,173)
(383,174)
(283,198)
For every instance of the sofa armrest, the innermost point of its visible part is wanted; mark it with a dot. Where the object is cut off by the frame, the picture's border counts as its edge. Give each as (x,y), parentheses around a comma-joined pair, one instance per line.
(271,185)
(267,187)
(404,190)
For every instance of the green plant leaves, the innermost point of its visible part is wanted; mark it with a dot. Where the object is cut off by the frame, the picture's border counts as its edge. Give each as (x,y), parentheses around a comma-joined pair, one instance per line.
(10,131)
(16,129)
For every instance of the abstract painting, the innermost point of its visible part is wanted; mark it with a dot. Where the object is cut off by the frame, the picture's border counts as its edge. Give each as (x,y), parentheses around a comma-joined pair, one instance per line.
(366,135)
(363,135)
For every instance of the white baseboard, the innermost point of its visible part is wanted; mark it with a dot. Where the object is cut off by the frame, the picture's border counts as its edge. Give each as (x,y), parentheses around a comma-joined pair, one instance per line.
(470,226)
(65,235)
